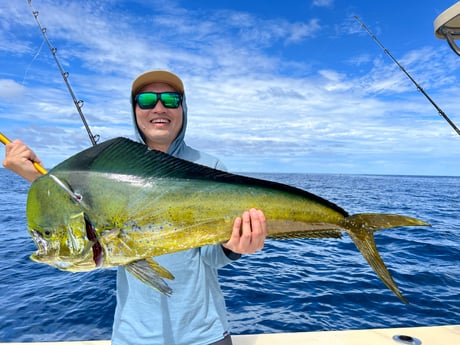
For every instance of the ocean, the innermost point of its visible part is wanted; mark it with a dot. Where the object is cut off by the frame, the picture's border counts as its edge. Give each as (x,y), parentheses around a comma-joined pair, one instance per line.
(291,286)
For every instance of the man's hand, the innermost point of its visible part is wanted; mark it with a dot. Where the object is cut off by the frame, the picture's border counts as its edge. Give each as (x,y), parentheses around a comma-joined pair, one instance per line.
(249,233)
(20,159)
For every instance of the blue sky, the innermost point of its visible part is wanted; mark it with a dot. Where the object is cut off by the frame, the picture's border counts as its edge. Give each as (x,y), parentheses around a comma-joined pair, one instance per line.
(272,86)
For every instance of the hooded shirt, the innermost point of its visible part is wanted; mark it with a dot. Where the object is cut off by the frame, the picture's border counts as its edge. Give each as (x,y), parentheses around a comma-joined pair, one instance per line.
(195,313)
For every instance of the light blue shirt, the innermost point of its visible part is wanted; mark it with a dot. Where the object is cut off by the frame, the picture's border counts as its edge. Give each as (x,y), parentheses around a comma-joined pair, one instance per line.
(195,313)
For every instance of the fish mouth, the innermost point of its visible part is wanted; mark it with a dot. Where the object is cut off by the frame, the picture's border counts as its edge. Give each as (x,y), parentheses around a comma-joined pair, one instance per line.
(40,242)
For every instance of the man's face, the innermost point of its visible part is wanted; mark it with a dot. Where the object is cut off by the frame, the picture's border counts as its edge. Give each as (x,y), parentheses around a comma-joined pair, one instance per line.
(159,125)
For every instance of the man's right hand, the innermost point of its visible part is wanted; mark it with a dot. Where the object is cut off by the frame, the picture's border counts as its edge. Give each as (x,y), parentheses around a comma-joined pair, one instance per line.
(20,159)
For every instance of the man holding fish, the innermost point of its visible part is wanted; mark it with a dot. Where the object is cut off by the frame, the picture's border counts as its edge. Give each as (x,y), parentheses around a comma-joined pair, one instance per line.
(195,313)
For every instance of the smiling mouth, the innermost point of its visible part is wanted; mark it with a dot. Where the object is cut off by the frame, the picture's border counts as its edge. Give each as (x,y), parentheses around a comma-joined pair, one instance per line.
(160,121)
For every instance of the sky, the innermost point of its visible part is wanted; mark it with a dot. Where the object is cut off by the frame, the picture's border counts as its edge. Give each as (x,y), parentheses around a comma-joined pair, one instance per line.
(272,86)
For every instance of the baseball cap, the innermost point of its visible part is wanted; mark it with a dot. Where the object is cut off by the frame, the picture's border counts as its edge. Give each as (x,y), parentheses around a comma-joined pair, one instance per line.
(157,76)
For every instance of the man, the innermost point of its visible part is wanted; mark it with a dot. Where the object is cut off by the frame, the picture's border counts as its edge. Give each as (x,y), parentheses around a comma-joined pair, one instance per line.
(195,313)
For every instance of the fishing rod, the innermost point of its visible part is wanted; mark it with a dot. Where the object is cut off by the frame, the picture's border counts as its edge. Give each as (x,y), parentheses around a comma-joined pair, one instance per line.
(65,76)
(409,76)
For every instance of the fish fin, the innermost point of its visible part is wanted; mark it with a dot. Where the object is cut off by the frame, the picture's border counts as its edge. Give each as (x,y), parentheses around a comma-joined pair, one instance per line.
(361,229)
(162,272)
(111,234)
(293,229)
(151,273)
(142,162)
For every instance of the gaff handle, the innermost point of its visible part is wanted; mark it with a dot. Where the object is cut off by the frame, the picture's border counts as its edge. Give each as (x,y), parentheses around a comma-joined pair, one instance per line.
(37,166)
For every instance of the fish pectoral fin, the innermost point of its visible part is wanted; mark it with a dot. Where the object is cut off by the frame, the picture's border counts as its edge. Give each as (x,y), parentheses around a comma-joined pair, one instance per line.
(162,272)
(151,273)
(109,235)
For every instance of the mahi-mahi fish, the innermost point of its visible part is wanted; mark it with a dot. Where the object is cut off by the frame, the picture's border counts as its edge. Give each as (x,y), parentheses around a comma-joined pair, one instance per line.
(119,203)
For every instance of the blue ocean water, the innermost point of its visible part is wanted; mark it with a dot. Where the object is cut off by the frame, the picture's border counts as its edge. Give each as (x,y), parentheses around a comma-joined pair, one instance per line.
(291,286)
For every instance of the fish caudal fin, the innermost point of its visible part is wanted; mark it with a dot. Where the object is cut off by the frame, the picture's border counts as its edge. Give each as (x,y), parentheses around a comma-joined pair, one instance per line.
(151,273)
(361,229)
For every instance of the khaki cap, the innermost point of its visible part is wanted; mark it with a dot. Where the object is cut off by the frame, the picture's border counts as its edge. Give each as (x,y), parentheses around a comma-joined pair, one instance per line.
(157,76)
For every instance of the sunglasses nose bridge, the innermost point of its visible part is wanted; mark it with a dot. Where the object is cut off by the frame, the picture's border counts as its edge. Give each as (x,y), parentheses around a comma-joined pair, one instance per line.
(159,106)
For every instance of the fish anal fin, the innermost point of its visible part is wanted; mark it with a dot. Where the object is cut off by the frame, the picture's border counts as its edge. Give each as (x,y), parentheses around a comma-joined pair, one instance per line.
(293,229)
(151,273)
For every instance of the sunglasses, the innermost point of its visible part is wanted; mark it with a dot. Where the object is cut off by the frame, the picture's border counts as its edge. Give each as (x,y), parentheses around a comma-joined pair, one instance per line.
(148,100)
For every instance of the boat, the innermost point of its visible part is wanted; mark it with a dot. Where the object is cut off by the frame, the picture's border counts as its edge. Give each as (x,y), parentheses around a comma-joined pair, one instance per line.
(447,26)
(431,335)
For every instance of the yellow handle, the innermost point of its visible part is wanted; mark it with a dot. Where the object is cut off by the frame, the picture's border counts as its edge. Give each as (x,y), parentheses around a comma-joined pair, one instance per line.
(4,139)
(37,166)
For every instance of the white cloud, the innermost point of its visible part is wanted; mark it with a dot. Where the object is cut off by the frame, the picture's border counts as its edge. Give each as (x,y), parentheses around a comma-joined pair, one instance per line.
(10,89)
(323,3)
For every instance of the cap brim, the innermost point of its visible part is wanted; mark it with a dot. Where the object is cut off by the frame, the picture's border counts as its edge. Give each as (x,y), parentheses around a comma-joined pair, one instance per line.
(157,77)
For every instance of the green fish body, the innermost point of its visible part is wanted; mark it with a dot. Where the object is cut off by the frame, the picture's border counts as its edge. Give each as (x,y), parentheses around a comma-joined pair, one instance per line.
(119,203)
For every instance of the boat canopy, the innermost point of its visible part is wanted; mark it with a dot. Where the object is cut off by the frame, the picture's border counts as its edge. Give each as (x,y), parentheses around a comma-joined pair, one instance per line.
(447,26)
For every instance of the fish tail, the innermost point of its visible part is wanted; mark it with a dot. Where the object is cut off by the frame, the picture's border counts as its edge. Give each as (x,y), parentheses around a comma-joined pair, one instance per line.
(361,228)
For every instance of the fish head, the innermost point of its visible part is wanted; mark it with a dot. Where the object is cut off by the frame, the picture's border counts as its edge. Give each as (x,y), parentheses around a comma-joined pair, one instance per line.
(59,226)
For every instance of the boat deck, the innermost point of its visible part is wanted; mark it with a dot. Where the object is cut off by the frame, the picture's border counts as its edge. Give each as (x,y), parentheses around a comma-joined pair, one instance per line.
(435,335)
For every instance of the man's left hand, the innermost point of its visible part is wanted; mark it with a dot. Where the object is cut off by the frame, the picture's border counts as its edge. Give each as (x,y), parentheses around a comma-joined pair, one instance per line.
(249,233)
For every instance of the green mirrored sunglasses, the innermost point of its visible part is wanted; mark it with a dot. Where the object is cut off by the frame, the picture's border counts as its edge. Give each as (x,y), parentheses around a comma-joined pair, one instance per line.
(148,100)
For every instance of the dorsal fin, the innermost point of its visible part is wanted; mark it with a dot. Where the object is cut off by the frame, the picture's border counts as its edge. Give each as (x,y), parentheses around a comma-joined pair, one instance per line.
(124,156)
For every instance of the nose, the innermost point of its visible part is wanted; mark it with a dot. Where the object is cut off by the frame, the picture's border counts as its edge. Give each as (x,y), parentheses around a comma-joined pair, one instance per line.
(159,107)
